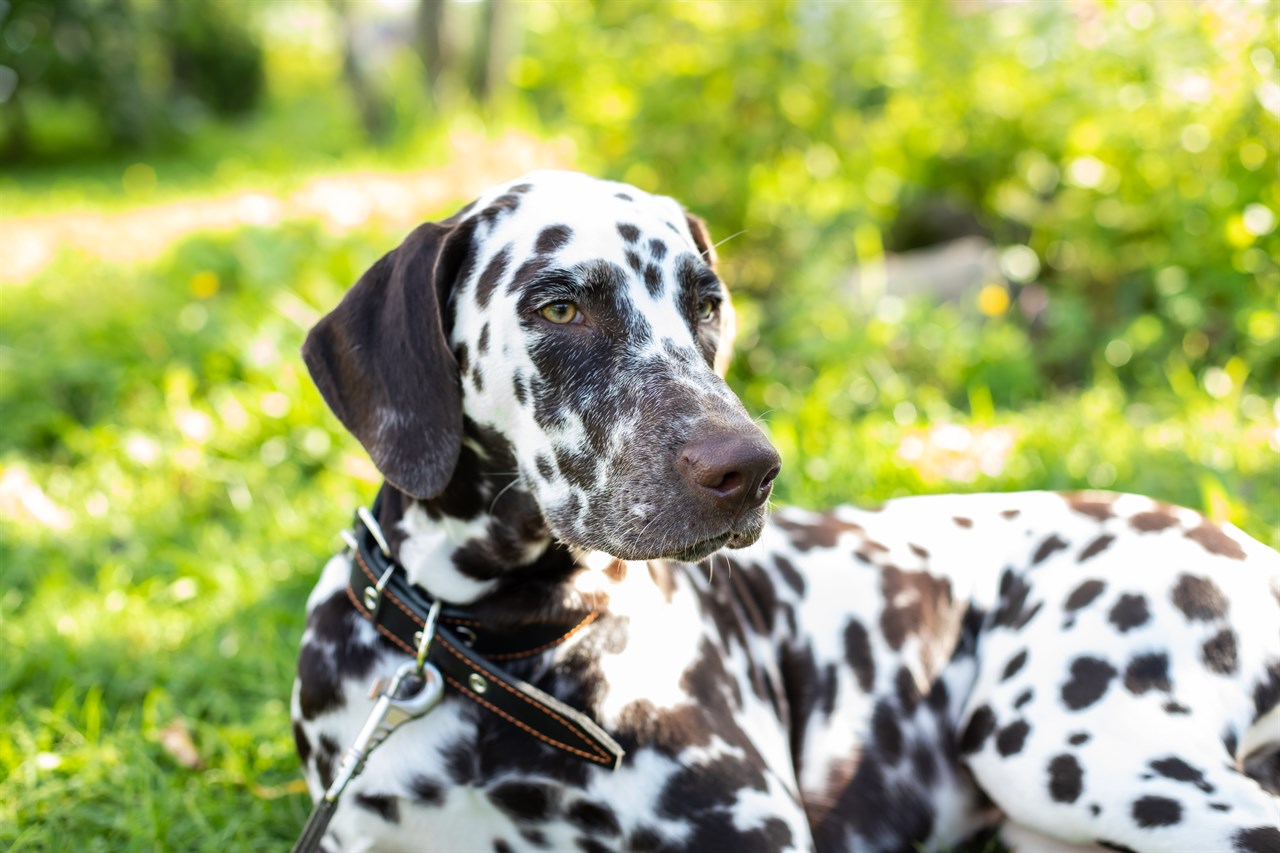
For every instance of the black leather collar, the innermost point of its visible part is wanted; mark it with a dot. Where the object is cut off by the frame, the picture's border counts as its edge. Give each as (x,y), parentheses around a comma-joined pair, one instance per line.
(464,650)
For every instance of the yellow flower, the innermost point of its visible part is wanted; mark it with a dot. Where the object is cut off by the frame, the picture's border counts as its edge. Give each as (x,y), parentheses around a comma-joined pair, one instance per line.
(993,300)
(204,284)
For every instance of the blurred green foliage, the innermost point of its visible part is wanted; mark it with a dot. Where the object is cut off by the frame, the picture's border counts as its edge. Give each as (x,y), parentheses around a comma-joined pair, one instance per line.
(114,73)
(170,482)
(1122,143)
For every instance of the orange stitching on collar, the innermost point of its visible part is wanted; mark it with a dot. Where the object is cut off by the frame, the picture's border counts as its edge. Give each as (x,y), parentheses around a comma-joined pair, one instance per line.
(557,641)
(503,684)
(458,620)
(381,630)
(371,576)
(591,617)
(599,759)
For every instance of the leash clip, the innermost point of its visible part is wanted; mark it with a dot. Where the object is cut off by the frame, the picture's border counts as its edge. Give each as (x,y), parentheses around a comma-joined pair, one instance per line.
(411,693)
(426,635)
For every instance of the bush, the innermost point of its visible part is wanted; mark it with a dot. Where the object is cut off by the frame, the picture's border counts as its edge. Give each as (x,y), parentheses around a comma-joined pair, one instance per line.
(81,75)
(1131,147)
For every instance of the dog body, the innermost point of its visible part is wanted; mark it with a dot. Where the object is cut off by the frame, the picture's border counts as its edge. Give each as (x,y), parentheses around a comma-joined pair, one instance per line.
(539,379)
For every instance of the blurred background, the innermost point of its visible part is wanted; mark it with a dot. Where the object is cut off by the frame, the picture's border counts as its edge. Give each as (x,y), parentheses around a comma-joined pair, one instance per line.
(975,245)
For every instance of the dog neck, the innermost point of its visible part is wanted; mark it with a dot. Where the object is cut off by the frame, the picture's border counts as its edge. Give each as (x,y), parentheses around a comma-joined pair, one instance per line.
(483,541)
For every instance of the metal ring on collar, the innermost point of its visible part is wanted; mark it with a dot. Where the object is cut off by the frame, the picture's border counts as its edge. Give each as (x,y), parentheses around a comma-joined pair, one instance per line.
(369,522)
(372,596)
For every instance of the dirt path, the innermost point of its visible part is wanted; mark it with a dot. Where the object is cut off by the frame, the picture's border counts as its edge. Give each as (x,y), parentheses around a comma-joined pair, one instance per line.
(346,201)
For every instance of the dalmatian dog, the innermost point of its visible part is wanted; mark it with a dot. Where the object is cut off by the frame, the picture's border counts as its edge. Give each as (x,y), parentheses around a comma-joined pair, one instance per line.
(539,380)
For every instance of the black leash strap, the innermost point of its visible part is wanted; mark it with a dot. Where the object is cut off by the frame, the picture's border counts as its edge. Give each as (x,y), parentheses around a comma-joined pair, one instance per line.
(316,826)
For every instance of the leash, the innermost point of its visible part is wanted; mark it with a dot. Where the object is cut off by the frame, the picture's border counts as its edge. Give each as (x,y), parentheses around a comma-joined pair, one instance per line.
(448,647)
(414,690)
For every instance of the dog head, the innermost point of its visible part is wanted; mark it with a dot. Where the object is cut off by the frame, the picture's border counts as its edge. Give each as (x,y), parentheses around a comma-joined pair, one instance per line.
(580,321)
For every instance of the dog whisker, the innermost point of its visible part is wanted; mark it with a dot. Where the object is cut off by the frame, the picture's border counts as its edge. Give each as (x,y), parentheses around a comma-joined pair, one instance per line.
(725,240)
(500,493)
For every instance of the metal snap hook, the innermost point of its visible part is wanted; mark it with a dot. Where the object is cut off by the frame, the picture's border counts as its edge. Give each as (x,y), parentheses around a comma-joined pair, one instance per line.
(427,634)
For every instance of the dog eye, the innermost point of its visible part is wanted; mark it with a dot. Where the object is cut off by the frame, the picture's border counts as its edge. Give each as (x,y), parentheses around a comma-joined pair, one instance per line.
(561,312)
(707,308)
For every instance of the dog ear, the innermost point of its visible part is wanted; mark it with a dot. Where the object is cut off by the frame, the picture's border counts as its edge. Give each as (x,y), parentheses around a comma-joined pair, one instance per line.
(728,320)
(382,361)
(702,239)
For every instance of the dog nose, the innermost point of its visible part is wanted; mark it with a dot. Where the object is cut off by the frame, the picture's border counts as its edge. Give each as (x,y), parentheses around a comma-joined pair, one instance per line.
(736,471)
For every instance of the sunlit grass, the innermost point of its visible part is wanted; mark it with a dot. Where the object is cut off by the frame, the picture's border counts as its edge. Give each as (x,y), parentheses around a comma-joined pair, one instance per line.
(343,202)
(916,398)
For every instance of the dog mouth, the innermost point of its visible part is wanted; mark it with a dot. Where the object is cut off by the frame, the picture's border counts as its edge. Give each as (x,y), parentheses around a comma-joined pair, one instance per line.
(700,550)
(679,548)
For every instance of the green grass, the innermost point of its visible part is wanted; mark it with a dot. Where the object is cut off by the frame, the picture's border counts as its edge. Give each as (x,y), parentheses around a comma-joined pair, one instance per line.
(854,403)
(197,484)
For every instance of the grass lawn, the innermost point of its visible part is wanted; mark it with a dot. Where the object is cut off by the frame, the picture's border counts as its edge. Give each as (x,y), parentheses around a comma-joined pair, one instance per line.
(170,484)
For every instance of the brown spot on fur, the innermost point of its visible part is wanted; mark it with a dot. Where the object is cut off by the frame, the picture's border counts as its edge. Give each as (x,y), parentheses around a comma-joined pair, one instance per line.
(820,534)
(492,275)
(1096,509)
(388,808)
(1199,598)
(1130,612)
(979,728)
(324,760)
(1219,652)
(1084,594)
(790,574)
(1147,672)
(1089,680)
(1095,547)
(661,575)
(917,603)
(857,652)
(1213,540)
(301,742)
(1151,522)
(966,523)
(1047,548)
(552,239)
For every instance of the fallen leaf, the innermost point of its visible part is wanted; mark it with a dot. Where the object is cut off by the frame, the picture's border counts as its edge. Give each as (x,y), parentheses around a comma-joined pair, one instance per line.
(176,740)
